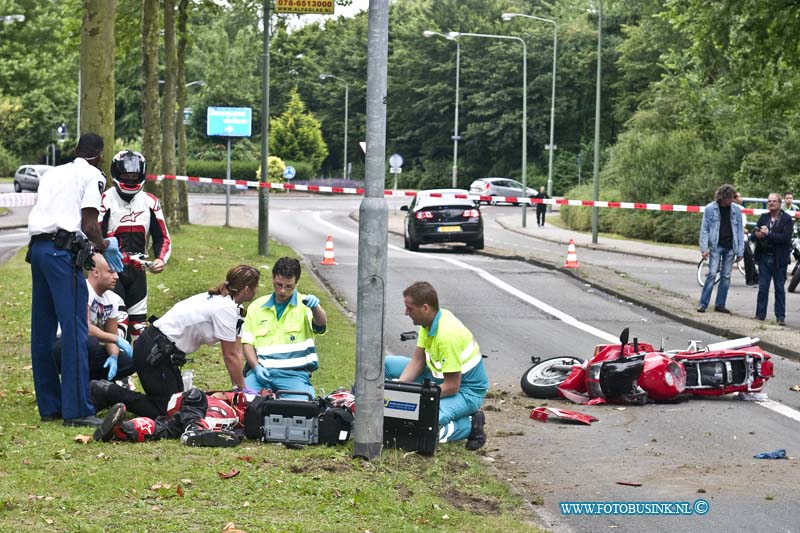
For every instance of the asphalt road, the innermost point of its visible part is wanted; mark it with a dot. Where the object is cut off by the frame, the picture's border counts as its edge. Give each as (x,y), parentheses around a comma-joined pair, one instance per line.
(698,449)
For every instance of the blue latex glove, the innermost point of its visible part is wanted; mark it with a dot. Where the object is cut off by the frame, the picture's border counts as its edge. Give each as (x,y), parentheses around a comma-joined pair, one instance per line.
(262,374)
(311,301)
(112,255)
(111,365)
(124,346)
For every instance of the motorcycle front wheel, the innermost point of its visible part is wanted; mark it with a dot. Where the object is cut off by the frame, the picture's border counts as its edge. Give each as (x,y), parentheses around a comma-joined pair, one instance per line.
(542,379)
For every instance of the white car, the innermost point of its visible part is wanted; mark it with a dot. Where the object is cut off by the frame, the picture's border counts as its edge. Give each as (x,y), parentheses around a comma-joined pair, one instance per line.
(499,187)
(28,176)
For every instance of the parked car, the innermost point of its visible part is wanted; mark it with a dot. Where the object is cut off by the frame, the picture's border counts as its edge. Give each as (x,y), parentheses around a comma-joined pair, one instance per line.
(431,219)
(499,187)
(28,176)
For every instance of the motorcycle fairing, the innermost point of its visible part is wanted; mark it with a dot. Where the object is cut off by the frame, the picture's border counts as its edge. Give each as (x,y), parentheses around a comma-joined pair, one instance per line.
(616,379)
(543,413)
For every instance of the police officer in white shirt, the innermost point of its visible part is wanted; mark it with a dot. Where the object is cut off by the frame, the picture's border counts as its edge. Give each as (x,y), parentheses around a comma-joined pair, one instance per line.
(63,229)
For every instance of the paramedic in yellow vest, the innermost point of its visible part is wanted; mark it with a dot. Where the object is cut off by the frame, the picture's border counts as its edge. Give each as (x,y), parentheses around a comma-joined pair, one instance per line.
(278,334)
(448,355)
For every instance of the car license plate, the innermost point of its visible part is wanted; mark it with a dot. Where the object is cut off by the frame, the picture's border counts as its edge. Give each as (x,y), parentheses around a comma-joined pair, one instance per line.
(449,229)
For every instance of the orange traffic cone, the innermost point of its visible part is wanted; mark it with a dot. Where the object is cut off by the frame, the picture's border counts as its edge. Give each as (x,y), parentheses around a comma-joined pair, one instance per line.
(572,256)
(327,257)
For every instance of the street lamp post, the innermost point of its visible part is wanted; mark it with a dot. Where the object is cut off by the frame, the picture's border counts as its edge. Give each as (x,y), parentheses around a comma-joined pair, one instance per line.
(456,138)
(552,147)
(596,169)
(456,35)
(346,105)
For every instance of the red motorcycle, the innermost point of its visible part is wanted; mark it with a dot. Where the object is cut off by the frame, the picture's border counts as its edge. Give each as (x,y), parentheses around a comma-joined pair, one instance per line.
(634,372)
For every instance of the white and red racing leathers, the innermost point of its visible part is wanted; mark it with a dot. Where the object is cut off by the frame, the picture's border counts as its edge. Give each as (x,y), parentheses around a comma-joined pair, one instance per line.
(132,223)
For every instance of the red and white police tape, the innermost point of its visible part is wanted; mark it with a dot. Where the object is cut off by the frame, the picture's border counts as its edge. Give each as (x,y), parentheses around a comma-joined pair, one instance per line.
(28,199)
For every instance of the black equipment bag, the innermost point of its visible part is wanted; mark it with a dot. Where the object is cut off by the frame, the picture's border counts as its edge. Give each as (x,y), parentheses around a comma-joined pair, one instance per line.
(335,424)
(411,416)
(283,420)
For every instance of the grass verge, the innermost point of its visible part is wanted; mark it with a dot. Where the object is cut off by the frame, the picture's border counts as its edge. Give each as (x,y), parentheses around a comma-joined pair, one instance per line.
(50,482)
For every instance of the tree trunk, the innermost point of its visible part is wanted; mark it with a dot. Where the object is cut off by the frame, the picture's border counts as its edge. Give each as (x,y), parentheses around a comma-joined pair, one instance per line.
(183,36)
(151,127)
(169,189)
(97,73)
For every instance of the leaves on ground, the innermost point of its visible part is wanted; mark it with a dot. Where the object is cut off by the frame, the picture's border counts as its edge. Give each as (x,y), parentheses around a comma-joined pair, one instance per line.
(228,475)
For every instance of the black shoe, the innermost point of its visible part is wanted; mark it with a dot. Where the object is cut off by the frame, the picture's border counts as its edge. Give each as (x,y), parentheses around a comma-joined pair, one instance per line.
(761,318)
(721,309)
(98,393)
(86,421)
(781,322)
(113,418)
(477,437)
(210,438)
(701,309)
(752,284)
(50,418)
(295,445)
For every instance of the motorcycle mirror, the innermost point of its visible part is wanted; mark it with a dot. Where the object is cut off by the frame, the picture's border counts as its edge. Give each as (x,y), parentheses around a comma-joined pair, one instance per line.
(623,337)
(636,345)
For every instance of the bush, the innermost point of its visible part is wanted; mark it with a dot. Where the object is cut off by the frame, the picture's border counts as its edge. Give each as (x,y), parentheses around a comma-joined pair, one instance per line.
(8,163)
(240,170)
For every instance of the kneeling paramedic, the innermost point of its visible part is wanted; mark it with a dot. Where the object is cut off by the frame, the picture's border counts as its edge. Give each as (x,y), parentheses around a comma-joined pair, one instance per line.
(278,334)
(448,355)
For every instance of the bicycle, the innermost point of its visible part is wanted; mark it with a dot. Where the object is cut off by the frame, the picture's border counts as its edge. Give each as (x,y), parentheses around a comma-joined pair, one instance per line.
(702,271)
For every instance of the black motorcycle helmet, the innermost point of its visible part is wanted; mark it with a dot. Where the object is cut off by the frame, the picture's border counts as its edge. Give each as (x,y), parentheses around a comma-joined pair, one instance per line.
(128,171)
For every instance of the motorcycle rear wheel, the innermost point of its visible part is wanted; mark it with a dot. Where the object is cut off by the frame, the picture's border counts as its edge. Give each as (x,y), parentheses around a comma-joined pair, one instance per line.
(542,379)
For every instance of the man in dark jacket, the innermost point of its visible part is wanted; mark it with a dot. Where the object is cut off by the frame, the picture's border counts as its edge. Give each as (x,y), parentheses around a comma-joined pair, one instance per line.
(541,209)
(773,238)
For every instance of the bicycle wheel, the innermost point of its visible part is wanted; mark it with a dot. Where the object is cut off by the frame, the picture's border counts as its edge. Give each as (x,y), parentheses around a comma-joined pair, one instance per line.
(702,272)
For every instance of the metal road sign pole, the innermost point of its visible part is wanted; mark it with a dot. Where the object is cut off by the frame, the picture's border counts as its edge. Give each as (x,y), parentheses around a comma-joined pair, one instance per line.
(263,192)
(373,244)
(228,188)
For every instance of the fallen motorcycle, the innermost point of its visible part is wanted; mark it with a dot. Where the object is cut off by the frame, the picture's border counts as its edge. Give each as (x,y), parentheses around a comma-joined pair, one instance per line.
(634,372)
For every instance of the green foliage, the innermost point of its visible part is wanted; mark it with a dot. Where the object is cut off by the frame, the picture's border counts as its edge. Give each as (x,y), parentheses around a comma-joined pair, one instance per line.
(240,170)
(275,166)
(296,135)
(8,163)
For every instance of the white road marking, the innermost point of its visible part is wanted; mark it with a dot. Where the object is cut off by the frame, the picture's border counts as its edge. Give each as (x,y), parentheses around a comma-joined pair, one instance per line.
(567,319)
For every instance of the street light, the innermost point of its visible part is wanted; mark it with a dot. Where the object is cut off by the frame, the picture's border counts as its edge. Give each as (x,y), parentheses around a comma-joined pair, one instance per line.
(456,35)
(595,171)
(346,105)
(428,33)
(552,147)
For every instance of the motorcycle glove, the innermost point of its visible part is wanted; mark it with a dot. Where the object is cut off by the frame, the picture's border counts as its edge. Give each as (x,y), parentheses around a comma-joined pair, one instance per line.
(124,346)
(111,365)
(311,301)
(112,255)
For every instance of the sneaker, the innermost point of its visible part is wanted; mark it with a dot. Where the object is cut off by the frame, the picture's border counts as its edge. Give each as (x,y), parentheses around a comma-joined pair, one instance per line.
(210,438)
(752,284)
(701,309)
(721,309)
(98,392)
(761,318)
(781,322)
(477,437)
(50,418)
(113,418)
